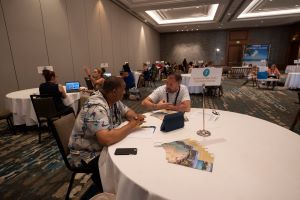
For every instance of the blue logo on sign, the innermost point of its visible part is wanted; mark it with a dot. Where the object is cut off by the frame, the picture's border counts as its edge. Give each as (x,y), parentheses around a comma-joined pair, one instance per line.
(206,72)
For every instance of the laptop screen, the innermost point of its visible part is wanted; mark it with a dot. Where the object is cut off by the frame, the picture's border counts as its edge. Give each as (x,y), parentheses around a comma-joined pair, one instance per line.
(106,74)
(72,86)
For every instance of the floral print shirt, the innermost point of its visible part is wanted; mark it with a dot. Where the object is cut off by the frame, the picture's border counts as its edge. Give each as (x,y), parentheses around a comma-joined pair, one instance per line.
(94,116)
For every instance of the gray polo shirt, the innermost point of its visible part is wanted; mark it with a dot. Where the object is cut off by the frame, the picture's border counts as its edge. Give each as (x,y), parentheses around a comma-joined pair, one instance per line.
(160,93)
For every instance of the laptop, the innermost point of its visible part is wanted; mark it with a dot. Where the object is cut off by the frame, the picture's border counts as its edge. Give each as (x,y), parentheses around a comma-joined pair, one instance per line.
(107,74)
(172,122)
(89,83)
(72,86)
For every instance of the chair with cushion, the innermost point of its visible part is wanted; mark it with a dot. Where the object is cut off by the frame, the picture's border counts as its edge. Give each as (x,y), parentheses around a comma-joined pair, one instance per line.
(7,116)
(62,129)
(44,107)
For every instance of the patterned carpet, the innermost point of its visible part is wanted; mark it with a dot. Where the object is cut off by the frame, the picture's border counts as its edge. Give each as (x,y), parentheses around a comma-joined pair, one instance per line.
(29,170)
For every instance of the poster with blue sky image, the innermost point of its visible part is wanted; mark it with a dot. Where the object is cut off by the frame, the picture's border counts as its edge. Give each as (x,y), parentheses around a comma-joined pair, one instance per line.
(256,52)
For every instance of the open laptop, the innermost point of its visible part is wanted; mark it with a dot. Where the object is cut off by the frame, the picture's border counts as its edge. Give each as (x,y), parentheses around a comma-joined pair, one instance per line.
(72,86)
(89,83)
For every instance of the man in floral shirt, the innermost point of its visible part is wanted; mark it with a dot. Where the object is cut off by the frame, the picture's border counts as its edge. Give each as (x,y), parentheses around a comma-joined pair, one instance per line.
(97,122)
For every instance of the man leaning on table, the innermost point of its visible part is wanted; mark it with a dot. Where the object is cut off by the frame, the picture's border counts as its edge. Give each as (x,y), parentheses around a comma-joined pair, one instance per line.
(171,96)
(97,125)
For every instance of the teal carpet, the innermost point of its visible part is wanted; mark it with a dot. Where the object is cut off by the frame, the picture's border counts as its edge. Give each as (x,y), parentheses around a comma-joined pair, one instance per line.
(29,170)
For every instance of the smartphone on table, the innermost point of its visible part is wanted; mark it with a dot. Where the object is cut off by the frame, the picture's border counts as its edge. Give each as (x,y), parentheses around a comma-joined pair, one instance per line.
(126,151)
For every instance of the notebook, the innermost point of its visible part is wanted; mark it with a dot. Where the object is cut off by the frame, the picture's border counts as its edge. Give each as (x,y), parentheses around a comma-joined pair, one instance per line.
(72,86)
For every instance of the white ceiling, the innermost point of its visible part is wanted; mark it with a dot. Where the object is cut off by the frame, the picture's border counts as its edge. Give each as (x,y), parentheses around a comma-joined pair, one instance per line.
(226,16)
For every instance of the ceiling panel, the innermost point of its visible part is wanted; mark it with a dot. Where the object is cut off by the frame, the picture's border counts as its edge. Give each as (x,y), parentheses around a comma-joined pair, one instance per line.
(227,16)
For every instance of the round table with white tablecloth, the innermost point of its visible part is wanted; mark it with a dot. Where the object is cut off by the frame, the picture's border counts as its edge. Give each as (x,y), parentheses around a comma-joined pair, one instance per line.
(292,68)
(192,89)
(292,80)
(20,105)
(253,159)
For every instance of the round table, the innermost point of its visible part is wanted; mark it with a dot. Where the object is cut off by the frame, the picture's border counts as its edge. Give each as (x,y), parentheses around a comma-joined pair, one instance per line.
(253,159)
(192,89)
(292,80)
(292,68)
(20,105)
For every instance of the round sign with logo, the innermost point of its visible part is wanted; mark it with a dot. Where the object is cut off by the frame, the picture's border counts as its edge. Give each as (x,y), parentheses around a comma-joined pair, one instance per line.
(206,72)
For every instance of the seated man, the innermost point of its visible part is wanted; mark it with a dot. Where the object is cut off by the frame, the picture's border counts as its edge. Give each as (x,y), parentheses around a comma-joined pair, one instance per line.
(97,122)
(172,96)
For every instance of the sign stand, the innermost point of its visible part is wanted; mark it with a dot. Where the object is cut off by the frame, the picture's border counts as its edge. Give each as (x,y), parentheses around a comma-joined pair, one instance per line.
(203,132)
(201,77)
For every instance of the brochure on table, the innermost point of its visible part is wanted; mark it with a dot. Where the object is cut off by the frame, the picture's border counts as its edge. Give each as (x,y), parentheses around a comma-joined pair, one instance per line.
(189,153)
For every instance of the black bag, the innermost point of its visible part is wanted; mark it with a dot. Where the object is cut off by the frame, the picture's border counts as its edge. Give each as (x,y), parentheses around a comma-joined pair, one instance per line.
(172,122)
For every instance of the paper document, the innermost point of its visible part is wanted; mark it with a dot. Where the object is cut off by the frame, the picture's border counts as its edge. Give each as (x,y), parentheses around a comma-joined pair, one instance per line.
(146,132)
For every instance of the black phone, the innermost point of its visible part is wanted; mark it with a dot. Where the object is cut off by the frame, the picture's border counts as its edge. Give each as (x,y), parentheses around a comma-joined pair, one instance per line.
(126,151)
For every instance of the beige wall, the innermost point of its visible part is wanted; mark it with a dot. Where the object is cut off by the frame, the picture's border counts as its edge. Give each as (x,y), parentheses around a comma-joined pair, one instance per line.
(68,34)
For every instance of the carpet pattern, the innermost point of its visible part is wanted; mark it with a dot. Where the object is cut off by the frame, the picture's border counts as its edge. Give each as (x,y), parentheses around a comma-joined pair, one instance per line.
(29,170)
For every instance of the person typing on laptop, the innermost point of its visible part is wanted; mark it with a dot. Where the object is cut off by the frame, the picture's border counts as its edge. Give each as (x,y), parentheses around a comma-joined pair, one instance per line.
(52,88)
(172,96)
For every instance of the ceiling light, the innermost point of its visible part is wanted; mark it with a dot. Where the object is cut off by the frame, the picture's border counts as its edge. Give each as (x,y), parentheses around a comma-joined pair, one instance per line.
(197,29)
(228,13)
(296,5)
(197,6)
(209,17)
(217,49)
(181,30)
(192,29)
(248,14)
(176,30)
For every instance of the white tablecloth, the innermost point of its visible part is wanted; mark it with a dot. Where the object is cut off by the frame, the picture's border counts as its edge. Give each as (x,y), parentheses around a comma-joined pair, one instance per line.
(292,81)
(136,75)
(20,105)
(192,89)
(254,159)
(292,68)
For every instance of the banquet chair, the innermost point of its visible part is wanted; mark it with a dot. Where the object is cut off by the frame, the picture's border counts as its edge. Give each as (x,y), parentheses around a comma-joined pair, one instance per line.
(7,116)
(45,109)
(62,129)
(297,118)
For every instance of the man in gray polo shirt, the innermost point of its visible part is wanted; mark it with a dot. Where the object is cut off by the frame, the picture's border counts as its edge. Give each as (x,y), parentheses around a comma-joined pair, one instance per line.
(172,96)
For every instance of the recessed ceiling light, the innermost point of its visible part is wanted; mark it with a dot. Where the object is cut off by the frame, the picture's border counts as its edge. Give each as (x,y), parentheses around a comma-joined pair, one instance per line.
(176,30)
(192,29)
(296,5)
(271,0)
(145,21)
(209,17)
(181,30)
(197,6)
(228,13)
(197,29)
(248,14)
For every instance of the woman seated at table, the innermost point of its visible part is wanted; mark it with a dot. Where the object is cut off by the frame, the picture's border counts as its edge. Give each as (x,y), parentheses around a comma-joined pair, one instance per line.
(97,77)
(52,88)
(273,72)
